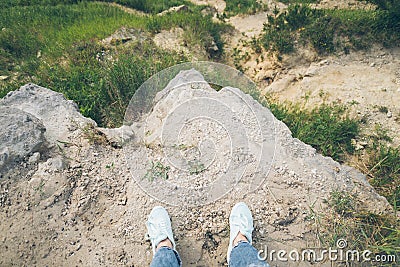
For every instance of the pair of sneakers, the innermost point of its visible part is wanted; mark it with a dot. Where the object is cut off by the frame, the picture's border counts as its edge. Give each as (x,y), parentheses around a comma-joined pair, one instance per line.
(159,226)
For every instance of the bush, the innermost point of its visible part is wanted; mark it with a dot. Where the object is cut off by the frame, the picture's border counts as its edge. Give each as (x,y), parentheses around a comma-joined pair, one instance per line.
(328,30)
(282,29)
(321,34)
(234,7)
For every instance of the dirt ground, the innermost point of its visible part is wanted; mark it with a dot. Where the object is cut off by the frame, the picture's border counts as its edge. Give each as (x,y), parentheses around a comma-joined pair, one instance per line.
(84,201)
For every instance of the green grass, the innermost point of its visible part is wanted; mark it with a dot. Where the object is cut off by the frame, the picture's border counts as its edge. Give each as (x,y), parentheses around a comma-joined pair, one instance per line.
(346,218)
(234,7)
(342,202)
(327,128)
(157,171)
(102,88)
(328,31)
(67,37)
(52,29)
(148,6)
(300,1)
(383,167)
(151,6)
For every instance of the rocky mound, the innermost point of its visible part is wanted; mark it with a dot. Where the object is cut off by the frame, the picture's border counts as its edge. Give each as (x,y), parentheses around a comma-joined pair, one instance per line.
(83,200)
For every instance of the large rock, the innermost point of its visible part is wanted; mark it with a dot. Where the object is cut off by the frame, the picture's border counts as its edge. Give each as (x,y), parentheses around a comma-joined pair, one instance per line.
(228,137)
(59,115)
(21,134)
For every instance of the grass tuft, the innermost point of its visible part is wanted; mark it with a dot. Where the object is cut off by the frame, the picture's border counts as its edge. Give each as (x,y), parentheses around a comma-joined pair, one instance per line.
(346,219)
(327,128)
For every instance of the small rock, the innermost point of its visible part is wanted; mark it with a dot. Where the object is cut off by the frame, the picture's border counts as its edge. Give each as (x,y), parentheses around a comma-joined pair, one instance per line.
(372,64)
(363,143)
(389,114)
(176,9)
(21,134)
(34,158)
(358,147)
(123,201)
(4,77)
(57,163)
(323,62)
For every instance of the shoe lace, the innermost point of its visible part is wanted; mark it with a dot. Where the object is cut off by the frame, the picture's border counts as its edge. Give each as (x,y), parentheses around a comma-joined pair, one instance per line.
(156,229)
(163,227)
(241,222)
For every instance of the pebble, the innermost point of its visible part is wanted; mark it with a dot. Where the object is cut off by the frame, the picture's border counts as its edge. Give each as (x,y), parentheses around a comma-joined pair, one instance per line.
(389,114)
(34,158)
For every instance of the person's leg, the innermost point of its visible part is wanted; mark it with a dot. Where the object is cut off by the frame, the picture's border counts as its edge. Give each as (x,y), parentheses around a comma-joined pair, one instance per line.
(244,254)
(159,231)
(240,251)
(166,257)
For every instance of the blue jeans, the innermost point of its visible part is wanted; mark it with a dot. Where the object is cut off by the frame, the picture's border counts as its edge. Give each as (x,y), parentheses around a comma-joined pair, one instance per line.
(243,255)
(166,257)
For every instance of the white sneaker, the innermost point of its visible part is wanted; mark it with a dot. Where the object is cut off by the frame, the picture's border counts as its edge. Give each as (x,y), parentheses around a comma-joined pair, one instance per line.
(241,221)
(159,227)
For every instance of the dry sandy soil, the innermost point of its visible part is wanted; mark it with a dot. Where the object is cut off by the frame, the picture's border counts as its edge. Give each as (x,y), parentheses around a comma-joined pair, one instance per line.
(84,201)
